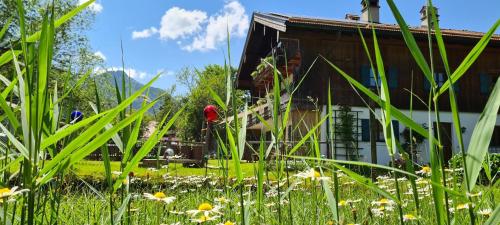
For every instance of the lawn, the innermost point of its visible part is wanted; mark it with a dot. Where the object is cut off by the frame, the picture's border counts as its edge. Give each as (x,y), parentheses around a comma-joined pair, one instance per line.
(95,169)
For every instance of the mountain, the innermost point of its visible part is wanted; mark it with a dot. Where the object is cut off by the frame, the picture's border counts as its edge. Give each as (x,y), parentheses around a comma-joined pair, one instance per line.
(109,79)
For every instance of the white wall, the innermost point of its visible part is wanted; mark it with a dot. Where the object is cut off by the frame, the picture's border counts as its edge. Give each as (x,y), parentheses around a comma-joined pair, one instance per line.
(468,120)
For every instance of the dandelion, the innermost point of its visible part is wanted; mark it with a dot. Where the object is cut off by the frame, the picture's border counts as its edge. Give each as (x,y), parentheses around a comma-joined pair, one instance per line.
(426,170)
(160,197)
(485,212)
(409,217)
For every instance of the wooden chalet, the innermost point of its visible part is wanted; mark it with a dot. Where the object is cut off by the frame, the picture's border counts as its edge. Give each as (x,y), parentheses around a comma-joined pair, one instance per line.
(298,41)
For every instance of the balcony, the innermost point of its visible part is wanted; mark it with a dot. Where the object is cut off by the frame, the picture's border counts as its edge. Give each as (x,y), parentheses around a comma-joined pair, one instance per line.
(288,59)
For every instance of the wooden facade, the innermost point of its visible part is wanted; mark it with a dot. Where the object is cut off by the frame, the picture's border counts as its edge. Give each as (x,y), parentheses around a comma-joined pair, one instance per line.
(340,43)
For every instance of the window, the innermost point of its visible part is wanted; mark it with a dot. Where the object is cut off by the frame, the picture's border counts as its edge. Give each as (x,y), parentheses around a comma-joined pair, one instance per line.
(485,83)
(495,141)
(368,77)
(440,78)
(365,130)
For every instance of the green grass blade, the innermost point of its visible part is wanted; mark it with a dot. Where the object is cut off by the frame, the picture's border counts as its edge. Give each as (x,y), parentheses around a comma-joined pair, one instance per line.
(19,146)
(6,57)
(24,98)
(10,114)
(217,99)
(437,191)
(332,201)
(104,148)
(242,134)
(132,140)
(481,136)
(286,116)
(5,27)
(121,210)
(260,174)
(385,96)
(262,120)
(234,155)
(11,86)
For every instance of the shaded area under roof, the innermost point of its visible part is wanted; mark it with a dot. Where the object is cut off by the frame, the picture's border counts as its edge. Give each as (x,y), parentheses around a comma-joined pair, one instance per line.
(257,44)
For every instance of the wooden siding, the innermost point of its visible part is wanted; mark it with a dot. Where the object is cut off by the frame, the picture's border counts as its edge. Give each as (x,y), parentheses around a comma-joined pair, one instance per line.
(346,51)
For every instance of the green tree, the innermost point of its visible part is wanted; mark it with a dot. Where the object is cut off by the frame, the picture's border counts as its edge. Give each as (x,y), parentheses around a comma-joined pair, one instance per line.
(198,83)
(73,56)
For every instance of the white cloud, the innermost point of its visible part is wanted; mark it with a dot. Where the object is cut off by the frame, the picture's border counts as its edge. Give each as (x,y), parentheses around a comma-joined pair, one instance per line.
(179,23)
(100,55)
(232,17)
(94,7)
(144,33)
(194,31)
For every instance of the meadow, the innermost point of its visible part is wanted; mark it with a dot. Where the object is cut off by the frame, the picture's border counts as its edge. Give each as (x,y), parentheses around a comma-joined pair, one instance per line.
(45,178)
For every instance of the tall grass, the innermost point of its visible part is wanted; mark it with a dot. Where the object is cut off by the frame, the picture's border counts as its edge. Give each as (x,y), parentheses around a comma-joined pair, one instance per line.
(326,191)
(32,123)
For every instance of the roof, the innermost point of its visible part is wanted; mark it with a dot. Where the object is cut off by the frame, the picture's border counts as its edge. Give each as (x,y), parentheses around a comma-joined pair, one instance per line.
(282,21)
(256,46)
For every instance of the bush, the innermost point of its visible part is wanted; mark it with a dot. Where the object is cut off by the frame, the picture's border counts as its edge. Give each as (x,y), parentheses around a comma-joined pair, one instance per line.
(456,162)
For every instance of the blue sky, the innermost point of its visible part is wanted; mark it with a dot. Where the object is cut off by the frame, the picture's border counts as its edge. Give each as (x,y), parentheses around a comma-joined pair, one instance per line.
(166,35)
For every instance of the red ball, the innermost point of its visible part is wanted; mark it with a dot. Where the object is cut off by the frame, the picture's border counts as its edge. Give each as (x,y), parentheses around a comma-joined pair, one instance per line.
(210,113)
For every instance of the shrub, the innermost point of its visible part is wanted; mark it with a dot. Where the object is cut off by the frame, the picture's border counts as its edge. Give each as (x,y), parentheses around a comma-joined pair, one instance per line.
(456,162)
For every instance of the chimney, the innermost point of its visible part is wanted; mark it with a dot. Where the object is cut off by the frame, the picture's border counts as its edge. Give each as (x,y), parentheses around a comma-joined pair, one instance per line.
(352,17)
(426,19)
(370,11)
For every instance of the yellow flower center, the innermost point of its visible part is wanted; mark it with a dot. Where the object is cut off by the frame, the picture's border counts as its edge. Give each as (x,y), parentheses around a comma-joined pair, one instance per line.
(204,218)
(384,201)
(160,195)
(205,207)
(342,203)
(228,223)
(426,169)
(317,174)
(409,217)
(3,191)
